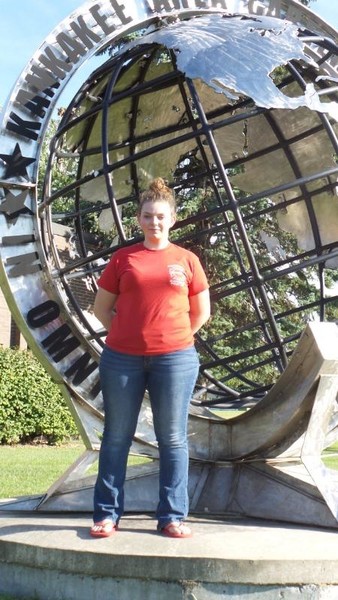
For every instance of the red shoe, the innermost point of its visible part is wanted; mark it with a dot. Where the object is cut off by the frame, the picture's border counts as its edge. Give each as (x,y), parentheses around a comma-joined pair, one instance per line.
(176,529)
(103,529)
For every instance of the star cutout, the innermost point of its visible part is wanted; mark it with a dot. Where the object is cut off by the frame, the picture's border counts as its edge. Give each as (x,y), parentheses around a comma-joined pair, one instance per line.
(16,163)
(13,206)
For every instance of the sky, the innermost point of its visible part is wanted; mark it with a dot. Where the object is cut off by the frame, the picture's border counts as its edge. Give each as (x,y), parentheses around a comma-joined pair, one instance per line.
(25,24)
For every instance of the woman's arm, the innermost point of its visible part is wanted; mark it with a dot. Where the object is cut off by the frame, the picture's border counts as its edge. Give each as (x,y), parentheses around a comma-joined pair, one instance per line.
(104,307)
(199,310)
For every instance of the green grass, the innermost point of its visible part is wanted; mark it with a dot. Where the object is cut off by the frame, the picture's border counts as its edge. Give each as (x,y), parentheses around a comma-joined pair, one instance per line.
(31,469)
(28,470)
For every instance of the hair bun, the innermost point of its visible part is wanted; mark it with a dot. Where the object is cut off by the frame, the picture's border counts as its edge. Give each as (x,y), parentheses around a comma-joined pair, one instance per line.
(158,190)
(158,185)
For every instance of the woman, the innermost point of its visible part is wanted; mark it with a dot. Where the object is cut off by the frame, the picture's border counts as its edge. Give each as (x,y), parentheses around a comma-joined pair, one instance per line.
(152,298)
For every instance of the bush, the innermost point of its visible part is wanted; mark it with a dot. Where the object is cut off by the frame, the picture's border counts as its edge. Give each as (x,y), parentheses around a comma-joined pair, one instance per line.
(31,404)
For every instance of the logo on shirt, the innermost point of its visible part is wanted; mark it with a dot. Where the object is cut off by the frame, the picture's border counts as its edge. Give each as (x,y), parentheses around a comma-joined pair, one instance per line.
(177,275)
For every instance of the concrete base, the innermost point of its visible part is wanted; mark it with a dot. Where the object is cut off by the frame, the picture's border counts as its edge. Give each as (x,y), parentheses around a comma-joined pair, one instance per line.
(52,557)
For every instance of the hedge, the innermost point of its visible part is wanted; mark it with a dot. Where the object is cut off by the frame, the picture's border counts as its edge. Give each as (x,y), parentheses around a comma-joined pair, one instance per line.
(32,407)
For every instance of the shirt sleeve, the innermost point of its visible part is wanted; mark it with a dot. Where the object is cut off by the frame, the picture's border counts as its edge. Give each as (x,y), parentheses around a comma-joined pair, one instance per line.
(199,281)
(109,279)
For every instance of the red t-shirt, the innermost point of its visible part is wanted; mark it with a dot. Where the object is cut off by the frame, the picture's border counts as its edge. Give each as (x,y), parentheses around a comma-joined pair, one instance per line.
(152,307)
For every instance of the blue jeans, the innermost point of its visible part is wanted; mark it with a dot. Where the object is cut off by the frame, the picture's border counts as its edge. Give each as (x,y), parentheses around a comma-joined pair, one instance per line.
(170,380)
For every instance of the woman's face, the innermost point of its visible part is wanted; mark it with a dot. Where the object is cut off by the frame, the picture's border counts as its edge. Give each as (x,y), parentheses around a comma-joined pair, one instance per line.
(155,220)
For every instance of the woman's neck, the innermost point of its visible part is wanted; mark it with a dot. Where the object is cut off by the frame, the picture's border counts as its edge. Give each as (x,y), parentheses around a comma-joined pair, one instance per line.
(156,244)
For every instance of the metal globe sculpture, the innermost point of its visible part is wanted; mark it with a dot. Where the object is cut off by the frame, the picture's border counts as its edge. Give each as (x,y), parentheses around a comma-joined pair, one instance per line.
(249,148)
(238,112)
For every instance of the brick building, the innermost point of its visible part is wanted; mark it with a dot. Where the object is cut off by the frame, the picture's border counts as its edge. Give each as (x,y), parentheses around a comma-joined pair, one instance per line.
(10,336)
